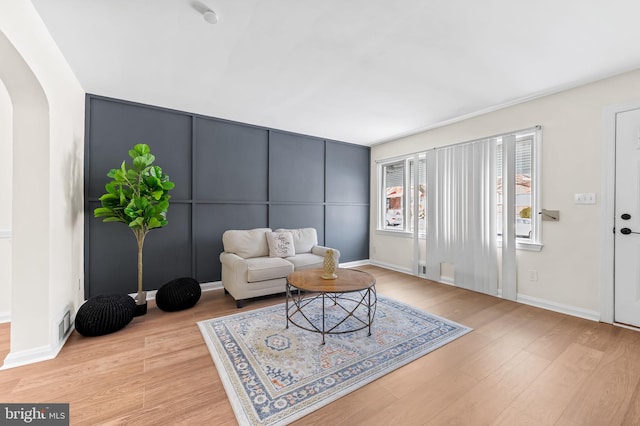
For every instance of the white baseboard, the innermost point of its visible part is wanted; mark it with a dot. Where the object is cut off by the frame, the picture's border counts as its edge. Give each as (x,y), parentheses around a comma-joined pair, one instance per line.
(521,298)
(558,307)
(355,263)
(30,356)
(44,353)
(214,285)
(5,317)
(391,267)
(447,281)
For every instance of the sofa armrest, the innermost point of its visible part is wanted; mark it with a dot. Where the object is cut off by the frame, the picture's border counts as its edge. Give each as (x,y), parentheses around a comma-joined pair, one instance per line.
(322,251)
(234,271)
(230,259)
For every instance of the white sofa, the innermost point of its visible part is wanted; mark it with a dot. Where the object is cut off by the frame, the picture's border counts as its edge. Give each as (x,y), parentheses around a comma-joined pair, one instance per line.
(256,262)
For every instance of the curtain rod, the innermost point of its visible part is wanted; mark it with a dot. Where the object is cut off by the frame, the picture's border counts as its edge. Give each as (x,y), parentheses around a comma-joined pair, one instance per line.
(411,154)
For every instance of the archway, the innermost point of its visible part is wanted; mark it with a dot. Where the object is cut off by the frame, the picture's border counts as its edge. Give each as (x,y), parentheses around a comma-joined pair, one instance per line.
(6,161)
(29,200)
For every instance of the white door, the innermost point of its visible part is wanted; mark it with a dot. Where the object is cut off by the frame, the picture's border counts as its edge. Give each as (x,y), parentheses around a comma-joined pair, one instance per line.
(627,221)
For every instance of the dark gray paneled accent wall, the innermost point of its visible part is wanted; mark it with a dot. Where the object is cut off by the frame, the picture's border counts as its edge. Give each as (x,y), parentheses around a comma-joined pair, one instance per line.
(298,216)
(227,156)
(345,167)
(114,128)
(296,168)
(228,175)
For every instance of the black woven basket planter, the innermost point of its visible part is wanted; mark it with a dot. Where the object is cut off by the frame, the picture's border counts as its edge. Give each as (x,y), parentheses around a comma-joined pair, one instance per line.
(105,314)
(178,294)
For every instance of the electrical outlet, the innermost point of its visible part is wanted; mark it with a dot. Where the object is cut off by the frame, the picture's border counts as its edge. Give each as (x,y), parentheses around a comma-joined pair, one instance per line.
(533,275)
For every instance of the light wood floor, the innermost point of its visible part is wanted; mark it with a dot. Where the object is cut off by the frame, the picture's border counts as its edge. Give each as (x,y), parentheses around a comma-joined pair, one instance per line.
(520,366)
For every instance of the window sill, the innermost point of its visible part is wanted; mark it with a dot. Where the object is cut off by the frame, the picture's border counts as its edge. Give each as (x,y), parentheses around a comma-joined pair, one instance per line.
(525,245)
(394,233)
(520,245)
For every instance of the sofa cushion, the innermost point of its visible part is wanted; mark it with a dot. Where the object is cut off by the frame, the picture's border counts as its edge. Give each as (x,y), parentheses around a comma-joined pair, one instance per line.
(280,244)
(303,239)
(267,268)
(306,261)
(246,243)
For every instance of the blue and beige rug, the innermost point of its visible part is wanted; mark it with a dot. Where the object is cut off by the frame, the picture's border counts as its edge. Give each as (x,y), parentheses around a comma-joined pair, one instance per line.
(274,375)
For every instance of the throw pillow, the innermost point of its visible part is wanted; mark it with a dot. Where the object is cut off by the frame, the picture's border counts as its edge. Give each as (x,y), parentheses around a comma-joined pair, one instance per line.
(280,244)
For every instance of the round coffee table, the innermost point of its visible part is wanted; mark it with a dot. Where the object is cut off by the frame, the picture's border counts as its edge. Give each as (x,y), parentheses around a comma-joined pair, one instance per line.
(353,294)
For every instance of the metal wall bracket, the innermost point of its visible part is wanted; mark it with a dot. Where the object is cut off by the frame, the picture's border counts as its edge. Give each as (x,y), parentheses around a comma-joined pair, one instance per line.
(552,215)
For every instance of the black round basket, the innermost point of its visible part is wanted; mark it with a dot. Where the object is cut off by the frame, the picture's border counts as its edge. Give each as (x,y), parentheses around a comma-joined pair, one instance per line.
(178,294)
(104,314)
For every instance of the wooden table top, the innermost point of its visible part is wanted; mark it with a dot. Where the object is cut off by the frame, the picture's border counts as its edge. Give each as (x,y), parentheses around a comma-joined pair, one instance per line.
(348,280)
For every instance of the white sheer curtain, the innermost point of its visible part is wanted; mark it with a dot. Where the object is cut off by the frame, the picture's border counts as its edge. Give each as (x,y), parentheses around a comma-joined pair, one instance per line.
(461,214)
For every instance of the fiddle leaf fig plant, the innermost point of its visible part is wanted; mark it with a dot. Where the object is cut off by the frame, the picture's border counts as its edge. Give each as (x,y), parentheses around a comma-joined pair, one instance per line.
(138,196)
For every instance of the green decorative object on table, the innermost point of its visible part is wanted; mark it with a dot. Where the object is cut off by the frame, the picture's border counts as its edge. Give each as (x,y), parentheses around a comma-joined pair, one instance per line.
(138,196)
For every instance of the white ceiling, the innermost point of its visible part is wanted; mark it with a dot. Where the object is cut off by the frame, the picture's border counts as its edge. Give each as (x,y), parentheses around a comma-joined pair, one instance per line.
(360,71)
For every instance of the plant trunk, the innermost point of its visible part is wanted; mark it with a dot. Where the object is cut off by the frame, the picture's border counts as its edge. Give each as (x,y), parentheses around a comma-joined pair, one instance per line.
(140,235)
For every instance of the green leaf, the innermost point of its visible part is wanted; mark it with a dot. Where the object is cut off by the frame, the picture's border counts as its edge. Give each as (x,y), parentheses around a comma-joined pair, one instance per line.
(157,194)
(132,175)
(155,171)
(102,211)
(120,176)
(110,203)
(142,148)
(140,162)
(108,196)
(137,223)
(142,202)
(113,219)
(123,196)
(152,182)
(111,188)
(131,210)
(168,185)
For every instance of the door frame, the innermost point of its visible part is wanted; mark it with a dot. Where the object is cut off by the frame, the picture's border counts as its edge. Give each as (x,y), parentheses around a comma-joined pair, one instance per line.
(607,208)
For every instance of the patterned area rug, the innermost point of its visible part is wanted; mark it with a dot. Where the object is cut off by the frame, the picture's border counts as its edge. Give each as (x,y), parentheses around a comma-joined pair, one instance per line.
(274,375)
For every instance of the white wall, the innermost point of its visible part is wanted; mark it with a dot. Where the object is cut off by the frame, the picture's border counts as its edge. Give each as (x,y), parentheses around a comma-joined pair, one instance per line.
(568,265)
(47,194)
(6,149)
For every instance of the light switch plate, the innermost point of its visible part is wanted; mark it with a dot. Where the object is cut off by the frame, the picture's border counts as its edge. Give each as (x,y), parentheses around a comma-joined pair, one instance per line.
(585,198)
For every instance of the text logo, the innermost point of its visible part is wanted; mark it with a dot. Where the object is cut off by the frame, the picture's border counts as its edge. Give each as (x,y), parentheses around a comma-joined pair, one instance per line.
(34,414)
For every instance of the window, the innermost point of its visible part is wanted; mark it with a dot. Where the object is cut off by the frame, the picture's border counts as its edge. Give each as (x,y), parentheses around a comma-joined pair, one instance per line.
(398,183)
(418,180)
(394,192)
(398,177)
(526,187)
